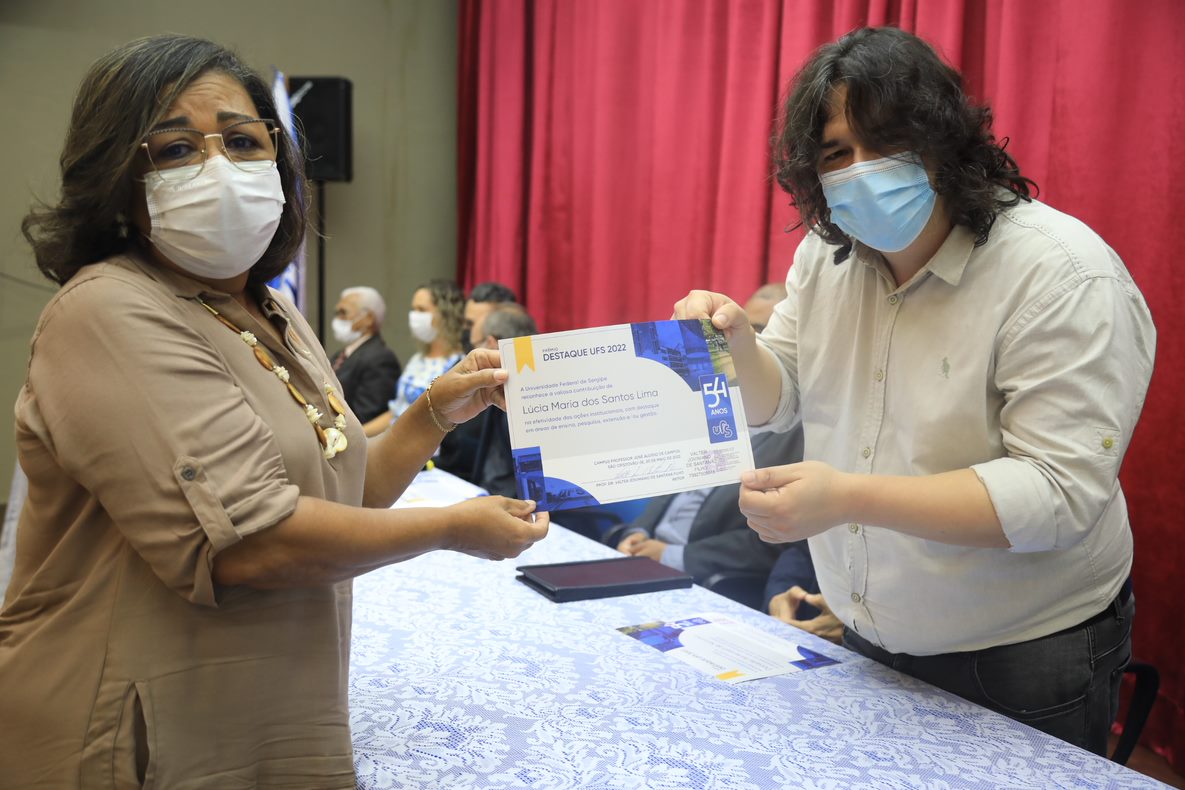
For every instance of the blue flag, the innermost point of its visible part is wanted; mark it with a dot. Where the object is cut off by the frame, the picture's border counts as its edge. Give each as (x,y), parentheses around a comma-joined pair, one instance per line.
(291,281)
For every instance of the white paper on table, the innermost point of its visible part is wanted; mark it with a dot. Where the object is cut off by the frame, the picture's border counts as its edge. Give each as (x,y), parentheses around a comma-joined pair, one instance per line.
(437,488)
(726,649)
(623,412)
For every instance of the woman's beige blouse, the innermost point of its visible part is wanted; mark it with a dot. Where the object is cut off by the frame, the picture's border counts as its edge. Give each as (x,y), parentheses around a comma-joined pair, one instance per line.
(153,439)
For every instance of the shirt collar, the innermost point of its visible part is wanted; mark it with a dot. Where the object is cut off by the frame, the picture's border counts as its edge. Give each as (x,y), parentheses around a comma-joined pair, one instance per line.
(357,344)
(180,285)
(947,264)
(189,288)
(951,259)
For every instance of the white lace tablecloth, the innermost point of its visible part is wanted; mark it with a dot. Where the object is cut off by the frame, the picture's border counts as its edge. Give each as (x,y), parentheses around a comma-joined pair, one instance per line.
(462,677)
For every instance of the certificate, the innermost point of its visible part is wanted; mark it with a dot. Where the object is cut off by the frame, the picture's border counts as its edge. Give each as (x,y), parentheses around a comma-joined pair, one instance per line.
(623,412)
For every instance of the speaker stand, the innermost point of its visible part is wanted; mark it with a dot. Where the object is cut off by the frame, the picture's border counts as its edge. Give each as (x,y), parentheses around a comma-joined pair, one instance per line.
(320,261)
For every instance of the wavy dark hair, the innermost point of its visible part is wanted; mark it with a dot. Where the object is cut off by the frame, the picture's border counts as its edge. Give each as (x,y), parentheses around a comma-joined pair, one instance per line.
(491,291)
(123,95)
(900,96)
(450,303)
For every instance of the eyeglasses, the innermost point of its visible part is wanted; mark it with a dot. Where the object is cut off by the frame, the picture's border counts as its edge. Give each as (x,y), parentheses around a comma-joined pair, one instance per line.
(180,154)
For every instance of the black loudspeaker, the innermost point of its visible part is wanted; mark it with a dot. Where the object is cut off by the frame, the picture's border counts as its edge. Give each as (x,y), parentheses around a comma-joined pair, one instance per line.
(325,106)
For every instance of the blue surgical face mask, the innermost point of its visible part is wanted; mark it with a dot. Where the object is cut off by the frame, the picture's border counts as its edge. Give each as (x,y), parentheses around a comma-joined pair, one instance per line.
(884,203)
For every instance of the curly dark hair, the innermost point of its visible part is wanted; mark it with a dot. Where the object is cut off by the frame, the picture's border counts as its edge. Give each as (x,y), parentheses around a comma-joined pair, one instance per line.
(492,292)
(900,97)
(123,95)
(450,303)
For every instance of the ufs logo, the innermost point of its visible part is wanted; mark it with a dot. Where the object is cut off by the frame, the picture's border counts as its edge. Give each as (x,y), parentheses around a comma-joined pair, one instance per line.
(722,425)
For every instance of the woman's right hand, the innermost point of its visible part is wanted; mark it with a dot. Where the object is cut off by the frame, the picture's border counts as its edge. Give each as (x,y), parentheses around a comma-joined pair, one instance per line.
(727,316)
(470,386)
(495,527)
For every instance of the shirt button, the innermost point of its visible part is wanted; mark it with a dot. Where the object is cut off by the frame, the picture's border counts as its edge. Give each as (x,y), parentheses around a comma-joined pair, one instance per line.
(893,299)
(855,597)
(853,528)
(188,473)
(867,451)
(880,375)
(1108,443)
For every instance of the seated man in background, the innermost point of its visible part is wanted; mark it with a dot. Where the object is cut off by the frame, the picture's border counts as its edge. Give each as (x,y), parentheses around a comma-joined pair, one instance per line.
(792,592)
(761,304)
(703,532)
(458,451)
(807,611)
(366,367)
(503,321)
(792,595)
(493,467)
(482,299)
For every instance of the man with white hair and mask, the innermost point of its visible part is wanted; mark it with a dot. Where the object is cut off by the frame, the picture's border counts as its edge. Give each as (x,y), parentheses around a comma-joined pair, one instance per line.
(366,367)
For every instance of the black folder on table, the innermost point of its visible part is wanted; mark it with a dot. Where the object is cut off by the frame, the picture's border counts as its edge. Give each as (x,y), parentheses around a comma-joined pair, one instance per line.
(581,581)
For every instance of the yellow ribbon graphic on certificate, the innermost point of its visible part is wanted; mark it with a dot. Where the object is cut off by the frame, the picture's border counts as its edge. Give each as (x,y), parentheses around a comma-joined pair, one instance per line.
(524,354)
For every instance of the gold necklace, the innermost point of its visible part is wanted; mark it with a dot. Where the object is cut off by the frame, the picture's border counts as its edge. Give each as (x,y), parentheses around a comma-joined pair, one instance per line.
(333,440)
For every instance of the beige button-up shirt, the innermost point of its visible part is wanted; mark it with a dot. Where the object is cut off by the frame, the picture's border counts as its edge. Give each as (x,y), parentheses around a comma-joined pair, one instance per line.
(1026,359)
(153,439)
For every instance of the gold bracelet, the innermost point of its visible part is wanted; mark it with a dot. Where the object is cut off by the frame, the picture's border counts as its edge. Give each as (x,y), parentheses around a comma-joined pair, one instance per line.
(432,411)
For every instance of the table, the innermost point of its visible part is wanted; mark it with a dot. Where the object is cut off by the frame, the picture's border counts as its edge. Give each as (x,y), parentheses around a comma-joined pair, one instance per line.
(462,677)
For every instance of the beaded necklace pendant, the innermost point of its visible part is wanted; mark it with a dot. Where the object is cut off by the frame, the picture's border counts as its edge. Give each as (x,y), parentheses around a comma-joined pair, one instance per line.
(333,440)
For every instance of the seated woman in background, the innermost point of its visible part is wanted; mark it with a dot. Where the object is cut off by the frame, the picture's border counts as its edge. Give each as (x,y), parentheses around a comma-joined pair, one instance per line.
(435,320)
(199,496)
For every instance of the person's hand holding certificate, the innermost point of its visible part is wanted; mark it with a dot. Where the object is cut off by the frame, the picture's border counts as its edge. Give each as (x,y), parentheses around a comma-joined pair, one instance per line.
(623,412)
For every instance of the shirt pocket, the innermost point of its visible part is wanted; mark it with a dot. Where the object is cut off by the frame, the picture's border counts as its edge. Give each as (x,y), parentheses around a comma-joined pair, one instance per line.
(1102,447)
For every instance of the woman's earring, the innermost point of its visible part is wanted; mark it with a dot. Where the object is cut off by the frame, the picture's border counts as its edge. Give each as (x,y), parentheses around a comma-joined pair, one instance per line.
(121,225)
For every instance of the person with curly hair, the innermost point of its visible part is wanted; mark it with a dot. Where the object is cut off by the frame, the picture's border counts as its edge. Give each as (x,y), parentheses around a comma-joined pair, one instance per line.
(968,365)
(435,321)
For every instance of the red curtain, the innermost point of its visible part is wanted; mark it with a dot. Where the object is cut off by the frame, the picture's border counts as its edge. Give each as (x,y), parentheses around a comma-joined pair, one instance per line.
(615,154)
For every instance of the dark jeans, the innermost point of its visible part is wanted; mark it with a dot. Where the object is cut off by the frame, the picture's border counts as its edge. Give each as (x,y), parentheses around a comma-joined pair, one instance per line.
(1065,684)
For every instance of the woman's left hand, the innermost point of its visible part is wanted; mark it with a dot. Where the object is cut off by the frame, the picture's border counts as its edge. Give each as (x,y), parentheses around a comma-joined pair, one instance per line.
(470,386)
(787,503)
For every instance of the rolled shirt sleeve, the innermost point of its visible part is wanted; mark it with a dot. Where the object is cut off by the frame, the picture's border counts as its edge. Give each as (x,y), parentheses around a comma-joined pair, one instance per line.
(143,412)
(1070,406)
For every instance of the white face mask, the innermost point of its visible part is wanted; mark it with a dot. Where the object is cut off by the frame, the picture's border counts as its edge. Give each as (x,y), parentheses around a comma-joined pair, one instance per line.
(219,223)
(421,327)
(344,331)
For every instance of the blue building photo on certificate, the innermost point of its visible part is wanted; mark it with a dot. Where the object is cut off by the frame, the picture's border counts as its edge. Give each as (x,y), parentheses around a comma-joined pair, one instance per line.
(551,493)
(693,349)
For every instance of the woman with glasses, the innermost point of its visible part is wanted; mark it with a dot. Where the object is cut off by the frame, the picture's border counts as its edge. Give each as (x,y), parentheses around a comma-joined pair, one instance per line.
(199,496)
